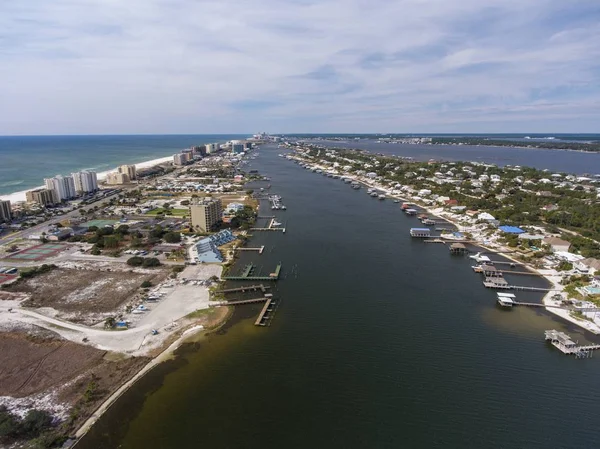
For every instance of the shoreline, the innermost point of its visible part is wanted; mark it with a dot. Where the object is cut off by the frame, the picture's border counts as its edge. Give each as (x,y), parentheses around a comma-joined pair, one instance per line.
(561,313)
(193,331)
(20,196)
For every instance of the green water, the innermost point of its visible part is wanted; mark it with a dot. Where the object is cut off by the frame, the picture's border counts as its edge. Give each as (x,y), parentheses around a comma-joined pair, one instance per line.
(380,341)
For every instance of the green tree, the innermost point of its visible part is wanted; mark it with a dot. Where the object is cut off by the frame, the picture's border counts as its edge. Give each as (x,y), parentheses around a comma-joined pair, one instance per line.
(151,262)
(172,237)
(135,261)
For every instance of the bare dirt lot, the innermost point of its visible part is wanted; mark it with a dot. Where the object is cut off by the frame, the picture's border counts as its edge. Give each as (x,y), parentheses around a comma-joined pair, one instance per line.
(30,364)
(71,290)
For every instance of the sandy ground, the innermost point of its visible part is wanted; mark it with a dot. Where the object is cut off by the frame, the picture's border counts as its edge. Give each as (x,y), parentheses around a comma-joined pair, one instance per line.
(163,316)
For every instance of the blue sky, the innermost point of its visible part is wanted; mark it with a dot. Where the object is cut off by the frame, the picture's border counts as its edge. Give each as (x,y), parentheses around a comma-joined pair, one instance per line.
(220,66)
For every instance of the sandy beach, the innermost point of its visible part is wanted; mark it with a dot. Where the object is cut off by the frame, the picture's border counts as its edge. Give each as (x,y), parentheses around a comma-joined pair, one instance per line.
(17,197)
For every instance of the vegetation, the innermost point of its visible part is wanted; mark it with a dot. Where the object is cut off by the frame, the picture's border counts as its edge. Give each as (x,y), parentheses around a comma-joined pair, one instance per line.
(172,237)
(146,284)
(244,218)
(35,271)
(13,428)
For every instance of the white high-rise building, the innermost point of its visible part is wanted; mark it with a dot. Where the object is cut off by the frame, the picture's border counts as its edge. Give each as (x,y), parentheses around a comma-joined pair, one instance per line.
(129,170)
(85,181)
(63,187)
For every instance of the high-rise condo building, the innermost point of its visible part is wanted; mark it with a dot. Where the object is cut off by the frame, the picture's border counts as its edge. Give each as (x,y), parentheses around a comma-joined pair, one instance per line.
(206,213)
(5,211)
(44,197)
(128,170)
(115,178)
(85,181)
(63,187)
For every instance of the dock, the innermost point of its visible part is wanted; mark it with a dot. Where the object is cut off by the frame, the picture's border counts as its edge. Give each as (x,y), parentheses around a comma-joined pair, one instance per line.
(435,241)
(268,229)
(247,274)
(263,312)
(566,345)
(260,250)
(501,283)
(244,301)
(246,288)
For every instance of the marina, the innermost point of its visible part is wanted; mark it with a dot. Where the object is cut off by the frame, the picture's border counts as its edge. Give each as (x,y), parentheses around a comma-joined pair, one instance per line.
(247,274)
(566,345)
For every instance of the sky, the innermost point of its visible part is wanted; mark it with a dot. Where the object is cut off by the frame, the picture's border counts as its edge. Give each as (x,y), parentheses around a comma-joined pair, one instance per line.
(285,66)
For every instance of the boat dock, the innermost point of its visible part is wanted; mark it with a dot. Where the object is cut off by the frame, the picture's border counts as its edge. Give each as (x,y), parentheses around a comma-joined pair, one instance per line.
(261,319)
(268,229)
(247,274)
(435,241)
(244,301)
(260,250)
(246,288)
(501,283)
(566,345)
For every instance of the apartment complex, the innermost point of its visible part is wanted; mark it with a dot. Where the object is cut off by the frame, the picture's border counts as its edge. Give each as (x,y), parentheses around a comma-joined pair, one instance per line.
(5,211)
(44,197)
(63,187)
(85,181)
(205,214)
(182,158)
(128,170)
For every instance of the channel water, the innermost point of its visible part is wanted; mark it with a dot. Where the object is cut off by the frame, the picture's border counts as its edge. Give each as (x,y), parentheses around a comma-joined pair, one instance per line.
(379,341)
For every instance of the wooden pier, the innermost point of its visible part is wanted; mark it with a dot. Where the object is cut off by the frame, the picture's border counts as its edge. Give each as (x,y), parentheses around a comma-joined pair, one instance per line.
(268,229)
(263,312)
(247,275)
(260,250)
(244,301)
(506,286)
(435,241)
(246,288)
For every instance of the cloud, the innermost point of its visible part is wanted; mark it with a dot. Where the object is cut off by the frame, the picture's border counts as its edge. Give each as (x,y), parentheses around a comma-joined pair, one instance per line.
(212,66)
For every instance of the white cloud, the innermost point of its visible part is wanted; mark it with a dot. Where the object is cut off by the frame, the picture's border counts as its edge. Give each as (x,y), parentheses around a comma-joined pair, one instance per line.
(209,66)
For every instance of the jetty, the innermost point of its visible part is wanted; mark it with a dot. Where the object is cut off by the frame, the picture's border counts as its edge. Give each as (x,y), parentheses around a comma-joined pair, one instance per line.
(244,301)
(245,288)
(249,270)
(566,345)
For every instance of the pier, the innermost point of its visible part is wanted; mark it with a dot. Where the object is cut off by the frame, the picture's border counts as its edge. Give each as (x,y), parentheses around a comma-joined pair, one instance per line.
(268,229)
(497,283)
(244,301)
(260,250)
(247,274)
(566,345)
(263,312)
(246,288)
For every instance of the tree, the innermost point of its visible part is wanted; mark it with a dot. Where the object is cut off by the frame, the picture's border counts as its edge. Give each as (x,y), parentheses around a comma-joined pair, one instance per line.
(151,262)
(111,242)
(172,237)
(110,322)
(146,284)
(135,261)
(95,251)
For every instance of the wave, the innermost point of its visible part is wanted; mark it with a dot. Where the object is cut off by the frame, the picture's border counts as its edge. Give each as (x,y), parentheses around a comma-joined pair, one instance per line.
(12,183)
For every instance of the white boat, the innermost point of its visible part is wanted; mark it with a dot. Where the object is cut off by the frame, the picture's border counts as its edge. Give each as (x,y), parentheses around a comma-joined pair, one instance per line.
(381,197)
(396,201)
(479,258)
(276,223)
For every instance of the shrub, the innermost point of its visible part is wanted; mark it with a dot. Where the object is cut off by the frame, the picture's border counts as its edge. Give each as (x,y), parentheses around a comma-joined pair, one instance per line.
(135,261)
(172,237)
(146,284)
(151,262)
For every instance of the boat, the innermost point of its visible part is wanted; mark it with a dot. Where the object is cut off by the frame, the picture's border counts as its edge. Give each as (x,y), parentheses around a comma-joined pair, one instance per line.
(477,268)
(276,223)
(396,201)
(374,194)
(410,211)
(356,186)
(479,258)
(428,221)
(283,208)
(381,197)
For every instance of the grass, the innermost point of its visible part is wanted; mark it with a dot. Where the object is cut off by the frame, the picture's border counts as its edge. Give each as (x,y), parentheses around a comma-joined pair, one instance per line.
(171,212)
(201,312)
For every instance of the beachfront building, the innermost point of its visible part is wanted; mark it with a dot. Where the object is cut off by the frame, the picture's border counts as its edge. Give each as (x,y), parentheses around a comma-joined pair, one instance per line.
(128,170)
(43,197)
(116,178)
(85,181)
(212,148)
(182,158)
(63,187)
(5,211)
(205,214)
(237,146)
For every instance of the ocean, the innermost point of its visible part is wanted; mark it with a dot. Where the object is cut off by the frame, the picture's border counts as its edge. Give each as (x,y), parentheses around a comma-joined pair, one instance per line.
(26,161)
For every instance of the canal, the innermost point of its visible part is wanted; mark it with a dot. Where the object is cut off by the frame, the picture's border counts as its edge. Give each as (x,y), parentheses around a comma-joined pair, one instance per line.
(380,341)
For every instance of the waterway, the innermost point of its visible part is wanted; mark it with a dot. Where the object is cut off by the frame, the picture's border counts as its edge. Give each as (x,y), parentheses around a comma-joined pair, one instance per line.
(380,341)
